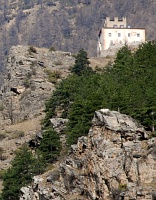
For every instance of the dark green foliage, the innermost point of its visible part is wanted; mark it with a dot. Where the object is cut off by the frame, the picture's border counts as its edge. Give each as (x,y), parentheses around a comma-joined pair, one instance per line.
(32,50)
(50,146)
(81,63)
(129,86)
(77,97)
(136,84)
(24,167)
(52,48)
(62,98)
(87,99)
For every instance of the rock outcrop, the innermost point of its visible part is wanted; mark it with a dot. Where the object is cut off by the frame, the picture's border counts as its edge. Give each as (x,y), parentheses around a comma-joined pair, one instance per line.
(115,161)
(32,76)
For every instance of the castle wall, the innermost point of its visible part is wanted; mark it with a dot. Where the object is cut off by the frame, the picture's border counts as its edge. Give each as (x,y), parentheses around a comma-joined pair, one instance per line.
(121,36)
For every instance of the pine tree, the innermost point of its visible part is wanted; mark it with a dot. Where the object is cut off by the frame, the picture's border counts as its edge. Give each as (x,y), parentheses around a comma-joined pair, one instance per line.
(50,146)
(81,63)
(19,174)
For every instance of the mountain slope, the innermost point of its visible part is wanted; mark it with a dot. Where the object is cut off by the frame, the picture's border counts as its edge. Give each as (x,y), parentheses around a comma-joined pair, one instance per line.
(68,25)
(33,73)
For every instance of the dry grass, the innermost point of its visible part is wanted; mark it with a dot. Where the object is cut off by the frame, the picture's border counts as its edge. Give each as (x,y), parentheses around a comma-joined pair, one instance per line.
(26,126)
(99,62)
(16,134)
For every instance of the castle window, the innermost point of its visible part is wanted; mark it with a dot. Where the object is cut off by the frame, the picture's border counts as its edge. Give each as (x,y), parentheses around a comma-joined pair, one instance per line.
(119,34)
(138,34)
(114,26)
(110,34)
(121,26)
(129,35)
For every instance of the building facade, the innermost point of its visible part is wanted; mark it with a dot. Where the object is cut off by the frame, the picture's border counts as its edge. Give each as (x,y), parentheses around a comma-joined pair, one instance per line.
(116,32)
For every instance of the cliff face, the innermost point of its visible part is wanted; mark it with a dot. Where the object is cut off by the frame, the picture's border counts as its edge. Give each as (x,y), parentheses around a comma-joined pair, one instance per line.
(32,75)
(115,161)
(31,78)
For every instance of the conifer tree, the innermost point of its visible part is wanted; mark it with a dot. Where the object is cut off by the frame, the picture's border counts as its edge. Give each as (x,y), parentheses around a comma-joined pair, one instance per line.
(50,146)
(81,63)
(19,174)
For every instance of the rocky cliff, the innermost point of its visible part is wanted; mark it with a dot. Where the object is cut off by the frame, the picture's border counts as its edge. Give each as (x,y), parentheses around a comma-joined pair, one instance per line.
(32,76)
(117,160)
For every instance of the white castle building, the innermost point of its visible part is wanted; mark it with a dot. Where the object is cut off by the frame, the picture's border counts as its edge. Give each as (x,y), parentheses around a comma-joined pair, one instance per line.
(116,32)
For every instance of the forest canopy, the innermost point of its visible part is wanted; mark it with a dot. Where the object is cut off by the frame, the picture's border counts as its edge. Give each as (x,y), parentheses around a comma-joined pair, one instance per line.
(127,85)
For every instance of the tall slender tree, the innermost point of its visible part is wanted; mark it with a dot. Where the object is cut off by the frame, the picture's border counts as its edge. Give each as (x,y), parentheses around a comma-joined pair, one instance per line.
(20,173)
(81,63)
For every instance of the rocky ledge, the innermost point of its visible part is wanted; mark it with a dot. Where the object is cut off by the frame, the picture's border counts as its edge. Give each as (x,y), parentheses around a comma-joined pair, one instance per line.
(117,160)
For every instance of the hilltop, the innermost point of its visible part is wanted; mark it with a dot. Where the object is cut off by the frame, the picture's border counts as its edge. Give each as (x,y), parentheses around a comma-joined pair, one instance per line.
(67,25)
